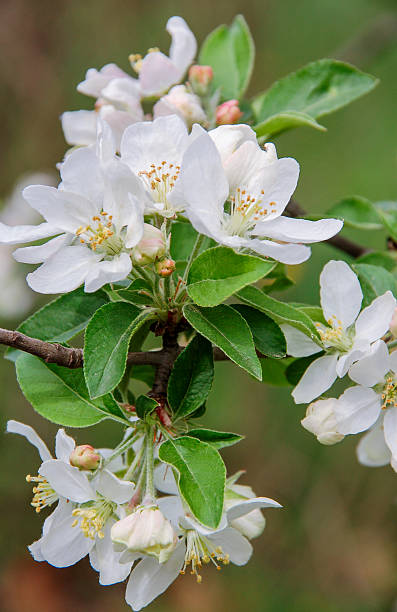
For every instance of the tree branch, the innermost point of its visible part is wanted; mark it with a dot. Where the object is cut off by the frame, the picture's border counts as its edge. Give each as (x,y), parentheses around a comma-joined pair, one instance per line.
(343,244)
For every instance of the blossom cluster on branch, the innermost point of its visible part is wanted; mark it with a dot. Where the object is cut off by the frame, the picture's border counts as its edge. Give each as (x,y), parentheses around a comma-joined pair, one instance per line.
(173,220)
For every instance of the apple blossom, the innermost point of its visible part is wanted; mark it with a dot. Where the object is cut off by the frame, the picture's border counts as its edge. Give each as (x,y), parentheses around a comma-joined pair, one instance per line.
(150,247)
(348,335)
(321,421)
(179,101)
(85,457)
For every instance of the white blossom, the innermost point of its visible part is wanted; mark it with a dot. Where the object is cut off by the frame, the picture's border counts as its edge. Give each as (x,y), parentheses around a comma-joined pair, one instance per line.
(320,420)
(348,335)
(258,187)
(179,101)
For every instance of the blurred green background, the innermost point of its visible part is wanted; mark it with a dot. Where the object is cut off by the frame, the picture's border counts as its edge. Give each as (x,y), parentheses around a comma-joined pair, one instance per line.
(333,548)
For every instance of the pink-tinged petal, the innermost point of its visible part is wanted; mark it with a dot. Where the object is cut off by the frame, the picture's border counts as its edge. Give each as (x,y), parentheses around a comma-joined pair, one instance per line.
(340,293)
(106,561)
(103,272)
(157,74)
(373,322)
(372,368)
(204,184)
(244,507)
(96,80)
(372,450)
(64,445)
(65,545)
(67,481)
(183,46)
(319,377)
(233,544)
(301,230)
(111,487)
(64,272)
(357,409)
(291,254)
(390,430)
(79,127)
(150,578)
(38,254)
(29,433)
(25,233)
(298,344)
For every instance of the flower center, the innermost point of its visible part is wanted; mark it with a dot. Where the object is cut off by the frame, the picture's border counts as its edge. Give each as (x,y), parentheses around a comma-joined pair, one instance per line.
(199,550)
(335,336)
(245,212)
(389,392)
(160,180)
(44,495)
(92,518)
(100,235)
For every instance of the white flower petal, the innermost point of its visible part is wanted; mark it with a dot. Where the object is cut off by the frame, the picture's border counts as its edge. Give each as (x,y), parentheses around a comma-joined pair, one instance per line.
(373,322)
(372,450)
(390,430)
(67,480)
(64,272)
(106,561)
(228,138)
(65,545)
(298,344)
(233,544)
(157,74)
(149,578)
(290,254)
(38,254)
(183,45)
(164,479)
(340,293)
(96,80)
(189,522)
(103,272)
(372,368)
(246,506)
(81,174)
(111,487)
(79,127)
(116,464)
(245,167)
(18,234)
(172,508)
(356,410)
(359,350)
(126,92)
(29,433)
(278,182)
(301,230)
(393,361)
(319,377)
(64,445)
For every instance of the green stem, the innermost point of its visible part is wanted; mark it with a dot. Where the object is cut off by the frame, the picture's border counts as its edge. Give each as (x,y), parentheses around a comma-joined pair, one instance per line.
(130,472)
(121,448)
(150,490)
(392,344)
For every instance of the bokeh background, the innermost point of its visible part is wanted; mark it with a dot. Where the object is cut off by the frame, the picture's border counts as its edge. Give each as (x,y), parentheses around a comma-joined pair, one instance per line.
(334,546)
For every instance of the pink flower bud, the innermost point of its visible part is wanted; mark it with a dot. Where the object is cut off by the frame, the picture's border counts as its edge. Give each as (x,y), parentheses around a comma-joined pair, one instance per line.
(393,324)
(200,78)
(85,457)
(165,267)
(228,112)
(146,531)
(150,247)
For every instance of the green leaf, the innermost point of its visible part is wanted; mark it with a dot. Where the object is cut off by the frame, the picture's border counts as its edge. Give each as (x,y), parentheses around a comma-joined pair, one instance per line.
(374,281)
(219,272)
(191,377)
(226,328)
(134,293)
(357,212)
(279,311)
(268,337)
(317,89)
(314,312)
(298,367)
(217,439)
(106,343)
(387,212)
(201,476)
(378,258)
(144,373)
(276,124)
(145,405)
(61,396)
(231,53)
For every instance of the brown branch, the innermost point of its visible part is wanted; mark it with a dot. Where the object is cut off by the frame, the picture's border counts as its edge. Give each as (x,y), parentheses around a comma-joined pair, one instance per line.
(343,244)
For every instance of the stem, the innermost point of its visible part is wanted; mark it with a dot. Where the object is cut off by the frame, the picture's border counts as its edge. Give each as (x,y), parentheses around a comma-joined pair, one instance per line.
(121,448)
(197,246)
(150,490)
(392,344)
(130,472)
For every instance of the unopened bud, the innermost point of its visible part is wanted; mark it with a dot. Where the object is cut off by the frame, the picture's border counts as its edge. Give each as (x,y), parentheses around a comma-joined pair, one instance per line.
(165,267)
(146,531)
(320,420)
(150,247)
(393,324)
(200,78)
(85,457)
(228,112)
